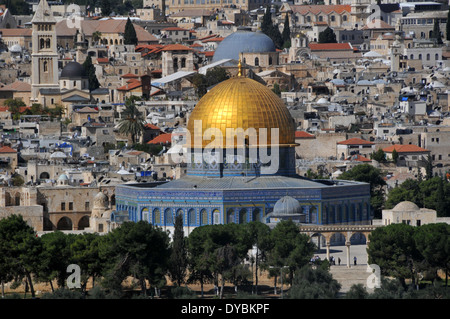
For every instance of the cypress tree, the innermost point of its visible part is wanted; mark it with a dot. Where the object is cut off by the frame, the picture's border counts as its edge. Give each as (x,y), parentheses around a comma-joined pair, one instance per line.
(286,33)
(90,71)
(436,33)
(448,26)
(130,36)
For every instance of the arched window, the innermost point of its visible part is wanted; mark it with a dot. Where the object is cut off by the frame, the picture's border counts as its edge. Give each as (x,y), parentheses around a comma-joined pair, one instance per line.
(191,217)
(45,66)
(47,43)
(216,217)
(243,216)
(257,215)
(180,213)
(168,218)
(41,43)
(230,216)
(256,61)
(270,60)
(145,214)
(203,217)
(156,216)
(183,62)
(175,63)
(17,199)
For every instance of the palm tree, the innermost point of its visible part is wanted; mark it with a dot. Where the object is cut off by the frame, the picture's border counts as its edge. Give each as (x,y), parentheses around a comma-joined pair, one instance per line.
(132,122)
(96,36)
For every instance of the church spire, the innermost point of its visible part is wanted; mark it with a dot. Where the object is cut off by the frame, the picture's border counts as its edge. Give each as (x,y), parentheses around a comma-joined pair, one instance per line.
(43,13)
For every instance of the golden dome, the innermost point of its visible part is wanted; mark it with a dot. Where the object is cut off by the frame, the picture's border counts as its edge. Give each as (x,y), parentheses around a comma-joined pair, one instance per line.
(241,102)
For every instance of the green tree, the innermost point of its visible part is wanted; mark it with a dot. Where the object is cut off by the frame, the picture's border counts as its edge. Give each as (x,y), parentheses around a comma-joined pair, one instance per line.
(14,106)
(312,283)
(55,258)
(291,248)
(106,7)
(286,33)
(130,36)
(90,71)
(448,26)
(395,156)
(140,250)
(132,122)
(378,156)
(20,250)
(259,236)
(276,89)
(369,174)
(409,190)
(436,32)
(178,257)
(327,36)
(96,36)
(199,256)
(85,252)
(394,250)
(433,243)
(429,167)
(213,76)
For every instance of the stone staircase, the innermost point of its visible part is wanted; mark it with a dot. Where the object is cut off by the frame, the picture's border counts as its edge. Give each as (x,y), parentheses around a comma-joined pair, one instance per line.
(350,276)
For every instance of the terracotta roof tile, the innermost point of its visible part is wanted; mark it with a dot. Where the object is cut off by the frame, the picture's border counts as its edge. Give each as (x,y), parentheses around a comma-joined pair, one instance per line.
(303,134)
(330,46)
(163,138)
(7,149)
(408,148)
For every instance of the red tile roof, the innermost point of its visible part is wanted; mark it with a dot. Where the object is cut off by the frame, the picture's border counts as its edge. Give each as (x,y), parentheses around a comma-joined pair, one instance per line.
(131,85)
(176,47)
(355,141)
(130,76)
(162,139)
(408,148)
(303,134)
(330,46)
(7,149)
(151,126)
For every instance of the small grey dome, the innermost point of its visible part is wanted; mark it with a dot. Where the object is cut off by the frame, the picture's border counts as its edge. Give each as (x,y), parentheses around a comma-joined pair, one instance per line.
(287,206)
(244,41)
(73,70)
(405,206)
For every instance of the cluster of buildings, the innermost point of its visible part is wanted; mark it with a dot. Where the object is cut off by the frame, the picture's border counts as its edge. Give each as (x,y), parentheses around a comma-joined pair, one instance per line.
(382,85)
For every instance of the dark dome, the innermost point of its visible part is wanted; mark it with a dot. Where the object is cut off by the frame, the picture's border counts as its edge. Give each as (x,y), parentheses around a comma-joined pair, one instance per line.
(243,41)
(73,70)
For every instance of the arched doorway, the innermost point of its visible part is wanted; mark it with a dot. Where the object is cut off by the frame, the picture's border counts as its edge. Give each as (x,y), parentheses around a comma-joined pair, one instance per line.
(65,223)
(145,214)
(243,216)
(83,223)
(44,175)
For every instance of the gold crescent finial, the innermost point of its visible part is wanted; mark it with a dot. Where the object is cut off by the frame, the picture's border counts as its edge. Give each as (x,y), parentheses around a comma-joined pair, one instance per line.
(239,68)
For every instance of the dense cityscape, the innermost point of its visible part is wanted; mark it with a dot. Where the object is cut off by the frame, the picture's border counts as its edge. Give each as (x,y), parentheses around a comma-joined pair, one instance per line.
(162,149)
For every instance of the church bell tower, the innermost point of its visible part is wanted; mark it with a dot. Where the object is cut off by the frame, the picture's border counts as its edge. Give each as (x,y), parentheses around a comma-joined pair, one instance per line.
(44,54)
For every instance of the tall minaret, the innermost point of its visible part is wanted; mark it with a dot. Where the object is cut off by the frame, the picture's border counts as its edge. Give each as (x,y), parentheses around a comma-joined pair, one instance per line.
(44,56)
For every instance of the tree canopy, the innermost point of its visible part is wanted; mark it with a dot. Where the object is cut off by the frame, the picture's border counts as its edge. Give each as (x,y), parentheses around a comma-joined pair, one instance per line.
(130,36)
(372,175)
(327,36)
